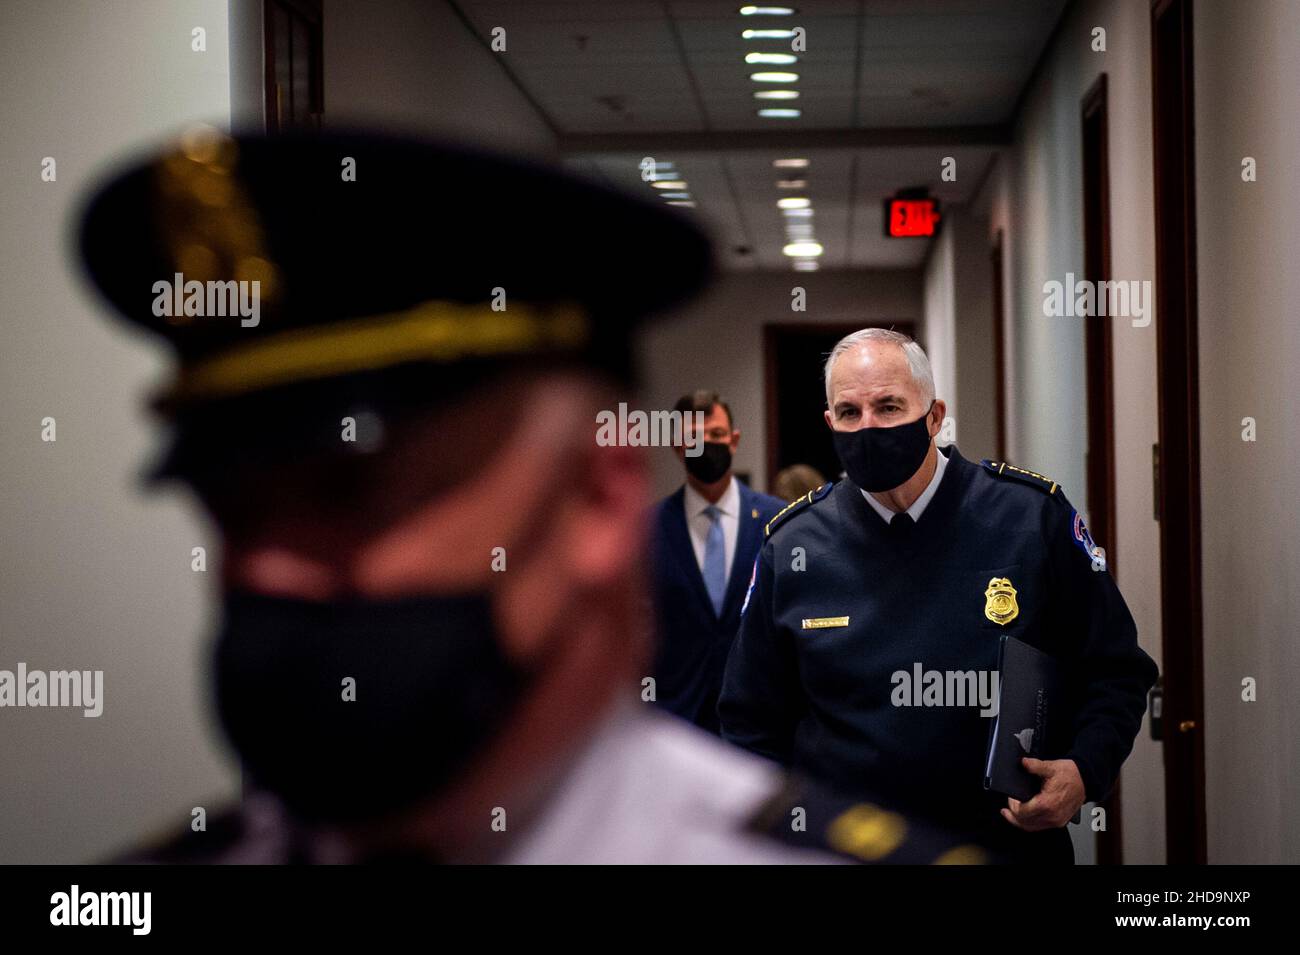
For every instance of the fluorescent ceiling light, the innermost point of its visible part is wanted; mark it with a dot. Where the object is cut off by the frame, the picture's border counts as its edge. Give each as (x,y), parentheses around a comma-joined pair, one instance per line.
(803,249)
(794,202)
(752,11)
(769,77)
(776,94)
(669,184)
(776,59)
(792,183)
(790,163)
(780,113)
(766,34)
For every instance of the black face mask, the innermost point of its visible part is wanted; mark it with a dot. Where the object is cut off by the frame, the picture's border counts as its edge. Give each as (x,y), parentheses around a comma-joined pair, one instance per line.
(432,686)
(880,459)
(713,462)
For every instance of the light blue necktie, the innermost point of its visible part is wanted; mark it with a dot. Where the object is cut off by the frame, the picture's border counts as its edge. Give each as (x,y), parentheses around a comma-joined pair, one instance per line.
(715,560)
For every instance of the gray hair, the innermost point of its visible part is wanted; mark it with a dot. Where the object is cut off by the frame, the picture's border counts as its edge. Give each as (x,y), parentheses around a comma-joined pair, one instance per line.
(915,354)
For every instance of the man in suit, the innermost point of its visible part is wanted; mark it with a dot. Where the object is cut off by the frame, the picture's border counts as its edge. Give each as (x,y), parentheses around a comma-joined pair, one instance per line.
(706,536)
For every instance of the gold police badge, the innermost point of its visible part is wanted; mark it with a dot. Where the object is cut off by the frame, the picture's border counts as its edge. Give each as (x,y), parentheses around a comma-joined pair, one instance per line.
(1000,601)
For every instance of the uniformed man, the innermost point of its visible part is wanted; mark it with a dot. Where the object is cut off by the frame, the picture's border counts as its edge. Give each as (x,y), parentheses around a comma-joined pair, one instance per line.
(428,645)
(916,563)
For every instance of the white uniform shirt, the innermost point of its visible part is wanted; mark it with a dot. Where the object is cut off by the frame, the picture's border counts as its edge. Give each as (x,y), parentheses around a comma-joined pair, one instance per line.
(652,789)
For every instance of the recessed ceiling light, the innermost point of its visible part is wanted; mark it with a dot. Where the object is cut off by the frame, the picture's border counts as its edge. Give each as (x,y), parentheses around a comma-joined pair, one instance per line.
(792,183)
(790,163)
(769,77)
(766,34)
(776,94)
(751,11)
(657,170)
(780,113)
(669,184)
(802,249)
(793,202)
(776,59)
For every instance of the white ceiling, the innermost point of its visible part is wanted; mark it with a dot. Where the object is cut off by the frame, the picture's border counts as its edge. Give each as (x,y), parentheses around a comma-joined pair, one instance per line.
(619,80)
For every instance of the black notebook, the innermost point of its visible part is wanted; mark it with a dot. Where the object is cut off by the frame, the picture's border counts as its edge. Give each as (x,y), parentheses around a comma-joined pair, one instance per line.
(1030,721)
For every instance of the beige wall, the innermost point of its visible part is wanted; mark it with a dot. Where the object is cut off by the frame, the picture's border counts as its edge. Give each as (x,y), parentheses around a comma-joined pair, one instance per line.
(718,343)
(1035,195)
(93,575)
(958,329)
(1247,63)
(940,314)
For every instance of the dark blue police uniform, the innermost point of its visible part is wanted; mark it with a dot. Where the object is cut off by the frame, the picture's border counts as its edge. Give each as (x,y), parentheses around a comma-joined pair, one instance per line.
(842,602)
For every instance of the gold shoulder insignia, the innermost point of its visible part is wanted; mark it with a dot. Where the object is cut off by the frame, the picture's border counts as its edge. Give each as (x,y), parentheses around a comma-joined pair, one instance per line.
(795,506)
(1033,478)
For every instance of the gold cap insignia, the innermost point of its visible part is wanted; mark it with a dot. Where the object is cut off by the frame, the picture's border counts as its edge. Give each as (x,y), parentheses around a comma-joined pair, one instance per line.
(1000,601)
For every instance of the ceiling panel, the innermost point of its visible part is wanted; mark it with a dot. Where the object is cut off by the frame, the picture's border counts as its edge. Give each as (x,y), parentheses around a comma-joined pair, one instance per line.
(677,67)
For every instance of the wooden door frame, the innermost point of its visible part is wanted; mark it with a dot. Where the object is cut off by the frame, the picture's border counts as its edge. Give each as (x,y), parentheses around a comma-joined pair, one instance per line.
(1099,379)
(1178,486)
(311,12)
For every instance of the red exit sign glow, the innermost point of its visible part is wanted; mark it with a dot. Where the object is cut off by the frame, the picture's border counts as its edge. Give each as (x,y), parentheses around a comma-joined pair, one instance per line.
(907,218)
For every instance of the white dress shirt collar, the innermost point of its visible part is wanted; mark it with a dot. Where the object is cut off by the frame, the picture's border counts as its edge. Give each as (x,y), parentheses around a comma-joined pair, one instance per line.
(728,504)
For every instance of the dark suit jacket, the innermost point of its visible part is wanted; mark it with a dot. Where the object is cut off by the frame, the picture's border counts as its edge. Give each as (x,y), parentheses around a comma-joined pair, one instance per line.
(693,642)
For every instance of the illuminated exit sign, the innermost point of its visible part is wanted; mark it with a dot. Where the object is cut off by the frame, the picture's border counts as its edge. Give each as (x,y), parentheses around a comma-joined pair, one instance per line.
(910,217)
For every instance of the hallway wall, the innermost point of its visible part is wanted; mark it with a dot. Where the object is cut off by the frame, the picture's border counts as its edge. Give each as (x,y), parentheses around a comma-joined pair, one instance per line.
(1247,72)
(957,329)
(1036,193)
(94,575)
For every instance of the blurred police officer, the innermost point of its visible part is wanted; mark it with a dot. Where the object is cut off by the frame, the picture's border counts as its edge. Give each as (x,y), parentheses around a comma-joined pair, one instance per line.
(889,571)
(429,646)
(706,536)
